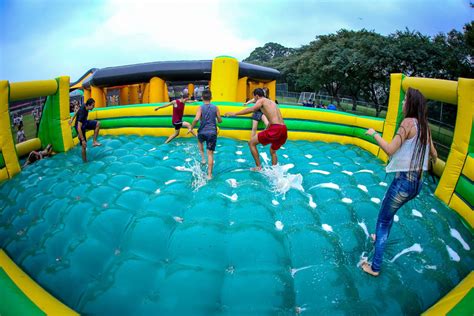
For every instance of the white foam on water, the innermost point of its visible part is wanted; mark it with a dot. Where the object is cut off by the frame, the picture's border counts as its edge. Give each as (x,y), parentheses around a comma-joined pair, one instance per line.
(363,188)
(275,202)
(279,225)
(152,149)
(363,259)
(346,200)
(416,213)
(453,255)
(125,189)
(165,158)
(157,191)
(383,184)
(281,180)
(395,218)
(347,172)
(375,200)
(178,219)
(294,271)
(232,197)
(455,234)
(240,160)
(364,228)
(414,248)
(308,156)
(337,163)
(238,152)
(314,163)
(265,157)
(311,203)
(232,183)
(187,159)
(365,171)
(434,211)
(285,156)
(320,172)
(328,185)
(327,227)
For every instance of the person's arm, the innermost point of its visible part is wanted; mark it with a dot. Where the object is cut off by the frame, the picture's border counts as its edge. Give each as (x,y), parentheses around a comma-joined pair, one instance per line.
(397,141)
(196,119)
(249,101)
(251,109)
(165,105)
(218,114)
(73,118)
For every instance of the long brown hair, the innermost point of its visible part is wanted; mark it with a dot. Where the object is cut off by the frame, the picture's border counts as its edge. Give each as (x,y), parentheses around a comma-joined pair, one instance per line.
(415,107)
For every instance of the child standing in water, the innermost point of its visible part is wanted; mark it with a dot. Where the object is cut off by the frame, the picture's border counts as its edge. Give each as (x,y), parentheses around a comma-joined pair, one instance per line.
(178,111)
(208,114)
(408,153)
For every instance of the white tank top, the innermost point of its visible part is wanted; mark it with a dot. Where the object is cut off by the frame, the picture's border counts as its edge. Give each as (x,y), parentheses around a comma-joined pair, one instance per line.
(401,159)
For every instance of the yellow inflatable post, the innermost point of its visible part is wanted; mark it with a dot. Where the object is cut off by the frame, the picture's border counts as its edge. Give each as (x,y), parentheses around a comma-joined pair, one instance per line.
(64,114)
(166,94)
(87,95)
(394,111)
(157,87)
(271,89)
(7,146)
(224,78)
(124,99)
(146,93)
(190,89)
(133,89)
(462,146)
(98,95)
(242,89)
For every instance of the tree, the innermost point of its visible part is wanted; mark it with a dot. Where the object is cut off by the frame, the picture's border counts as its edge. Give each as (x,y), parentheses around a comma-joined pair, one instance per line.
(268,52)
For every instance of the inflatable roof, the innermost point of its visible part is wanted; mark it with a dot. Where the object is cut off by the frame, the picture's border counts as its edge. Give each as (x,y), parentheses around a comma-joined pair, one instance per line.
(170,71)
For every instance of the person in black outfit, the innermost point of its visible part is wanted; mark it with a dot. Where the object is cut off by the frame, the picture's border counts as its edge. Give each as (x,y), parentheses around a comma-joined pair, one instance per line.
(82,125)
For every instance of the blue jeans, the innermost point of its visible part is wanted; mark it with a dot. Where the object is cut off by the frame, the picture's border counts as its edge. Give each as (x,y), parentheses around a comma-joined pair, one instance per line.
(404,187)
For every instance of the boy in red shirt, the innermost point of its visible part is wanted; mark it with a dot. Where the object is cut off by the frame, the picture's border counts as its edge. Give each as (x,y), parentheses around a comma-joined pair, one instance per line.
(178,111)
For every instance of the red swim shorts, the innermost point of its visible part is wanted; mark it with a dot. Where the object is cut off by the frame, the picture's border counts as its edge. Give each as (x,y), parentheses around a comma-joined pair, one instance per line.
(276,134)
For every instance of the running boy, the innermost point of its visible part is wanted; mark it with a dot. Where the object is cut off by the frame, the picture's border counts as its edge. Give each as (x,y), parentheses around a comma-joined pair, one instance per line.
(208,114)
(276,133)
(178,111)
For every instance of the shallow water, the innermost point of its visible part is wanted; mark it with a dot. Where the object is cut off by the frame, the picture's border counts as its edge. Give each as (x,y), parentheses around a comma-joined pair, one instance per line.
(139,230)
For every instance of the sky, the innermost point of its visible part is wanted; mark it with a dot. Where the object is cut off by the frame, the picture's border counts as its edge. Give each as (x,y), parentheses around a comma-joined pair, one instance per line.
(46,39)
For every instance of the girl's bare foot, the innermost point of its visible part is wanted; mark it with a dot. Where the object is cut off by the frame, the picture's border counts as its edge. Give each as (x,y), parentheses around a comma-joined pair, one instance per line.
(373,237)
(95,144)
(368,269)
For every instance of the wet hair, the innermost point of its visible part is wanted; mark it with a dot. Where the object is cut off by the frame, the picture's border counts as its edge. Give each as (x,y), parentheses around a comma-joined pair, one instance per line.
(90,101)
(259,92)
(206,95)
(415,107)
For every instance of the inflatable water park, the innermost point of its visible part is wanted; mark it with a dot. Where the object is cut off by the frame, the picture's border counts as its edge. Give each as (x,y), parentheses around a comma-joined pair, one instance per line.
(139,229)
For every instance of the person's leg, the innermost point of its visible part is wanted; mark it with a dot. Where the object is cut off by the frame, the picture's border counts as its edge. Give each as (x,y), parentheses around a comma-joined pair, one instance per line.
(274,156)
(253,149)
(84,148)
(210,163)
(254,128)
(172,136)
(96,132)
(201,151)
(187,125)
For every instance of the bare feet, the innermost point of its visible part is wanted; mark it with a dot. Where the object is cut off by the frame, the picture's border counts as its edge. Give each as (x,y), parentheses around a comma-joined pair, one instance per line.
(373,237)
(203,162)
(257,168)
(368,269)
(209,177)
(95,144)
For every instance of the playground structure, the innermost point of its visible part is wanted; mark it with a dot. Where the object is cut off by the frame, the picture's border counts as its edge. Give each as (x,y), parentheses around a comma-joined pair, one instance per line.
(229,84)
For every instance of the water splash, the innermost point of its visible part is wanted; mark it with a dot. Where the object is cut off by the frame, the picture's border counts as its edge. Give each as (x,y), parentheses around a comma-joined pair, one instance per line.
(364,228)
(281,180)
(414,248)
(455,234)
(265,157)
(320,171)
(327,228)
(453,255)
(198,174)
